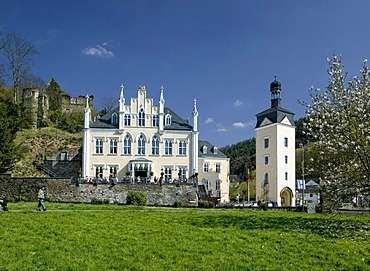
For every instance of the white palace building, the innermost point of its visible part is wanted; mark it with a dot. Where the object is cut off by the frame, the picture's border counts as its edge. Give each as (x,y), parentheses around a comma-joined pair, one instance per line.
(143,141)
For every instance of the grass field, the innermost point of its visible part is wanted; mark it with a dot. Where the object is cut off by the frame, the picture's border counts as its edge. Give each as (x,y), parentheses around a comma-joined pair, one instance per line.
(111,237)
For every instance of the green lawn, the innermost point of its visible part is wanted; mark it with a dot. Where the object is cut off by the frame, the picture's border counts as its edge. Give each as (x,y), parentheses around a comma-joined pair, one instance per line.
(111,237)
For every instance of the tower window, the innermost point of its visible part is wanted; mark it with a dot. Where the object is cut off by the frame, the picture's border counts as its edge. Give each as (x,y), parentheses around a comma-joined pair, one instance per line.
(266,142)
(286,159)
(266,179)
(266,160)
(286,176)
(285,142)
(141,118)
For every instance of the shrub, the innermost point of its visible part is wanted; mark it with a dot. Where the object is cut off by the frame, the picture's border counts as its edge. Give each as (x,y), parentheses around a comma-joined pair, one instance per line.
(206,204)
(136,198)
(177,204)
(99,201)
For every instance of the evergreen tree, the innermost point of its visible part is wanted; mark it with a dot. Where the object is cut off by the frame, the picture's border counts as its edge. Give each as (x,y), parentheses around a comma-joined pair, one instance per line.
(54,93)
(10,123)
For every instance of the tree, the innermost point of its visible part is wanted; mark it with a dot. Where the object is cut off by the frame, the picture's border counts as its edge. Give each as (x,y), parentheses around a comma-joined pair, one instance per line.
(54,93)
(109,103)
(338,121)
(19,52)
(10,123)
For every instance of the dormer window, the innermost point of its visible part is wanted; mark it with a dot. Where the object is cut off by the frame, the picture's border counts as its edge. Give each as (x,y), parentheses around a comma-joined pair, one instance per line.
(215,150)
(204,149)
(167,121)
(114,119)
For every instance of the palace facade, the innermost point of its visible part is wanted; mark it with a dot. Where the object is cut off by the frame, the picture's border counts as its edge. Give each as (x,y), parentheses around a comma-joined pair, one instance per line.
(141,141)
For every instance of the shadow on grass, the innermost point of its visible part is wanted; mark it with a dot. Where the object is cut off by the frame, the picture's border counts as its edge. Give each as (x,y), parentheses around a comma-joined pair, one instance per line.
(329,226)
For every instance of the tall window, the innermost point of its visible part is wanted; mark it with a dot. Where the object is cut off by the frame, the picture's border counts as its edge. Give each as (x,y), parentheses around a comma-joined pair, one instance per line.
(113,143)
(266,160)
(127,144)
(141,144)
(266,142)
(182,171)
(155,145)
(114,118)
(167,120)
(286,176)
(127,120)
(141,118)
(218,168)
(205,167)
(113,170)
(218,184)
(155,120)
(99,145)
(168,147)
(266,179)
(167,173)
(182,147)
(285,142)
(99,171)
(204,150)
(286,159)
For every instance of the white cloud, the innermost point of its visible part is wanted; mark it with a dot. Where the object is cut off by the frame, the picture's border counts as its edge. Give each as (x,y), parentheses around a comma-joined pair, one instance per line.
(242,125)
(99,51)
(238,103)
(222,130)
(208,120)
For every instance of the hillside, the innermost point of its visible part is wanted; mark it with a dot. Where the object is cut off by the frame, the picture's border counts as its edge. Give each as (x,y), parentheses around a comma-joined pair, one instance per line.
(36,144)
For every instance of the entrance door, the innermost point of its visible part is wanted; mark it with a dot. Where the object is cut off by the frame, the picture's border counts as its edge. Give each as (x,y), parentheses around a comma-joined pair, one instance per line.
(286,196)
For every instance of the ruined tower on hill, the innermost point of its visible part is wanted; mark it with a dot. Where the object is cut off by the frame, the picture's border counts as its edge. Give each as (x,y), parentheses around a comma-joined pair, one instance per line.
(38,104)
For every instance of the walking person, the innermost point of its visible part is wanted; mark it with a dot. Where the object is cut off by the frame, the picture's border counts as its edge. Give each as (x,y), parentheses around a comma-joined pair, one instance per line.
(41,197)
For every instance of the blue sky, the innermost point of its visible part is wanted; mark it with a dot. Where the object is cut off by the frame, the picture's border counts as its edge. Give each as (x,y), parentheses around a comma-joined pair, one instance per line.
(223,53)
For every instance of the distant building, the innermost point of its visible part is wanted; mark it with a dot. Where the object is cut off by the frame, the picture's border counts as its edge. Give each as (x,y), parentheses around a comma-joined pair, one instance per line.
(36,104)
(147,142)
(311,191)
(275,152)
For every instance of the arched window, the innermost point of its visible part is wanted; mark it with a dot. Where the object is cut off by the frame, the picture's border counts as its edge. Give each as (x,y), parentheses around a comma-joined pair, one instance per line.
(167,121)
(204,149)
(215,150)
(114,118)
(127,141)
(155,145)
(141,144)
(141,118)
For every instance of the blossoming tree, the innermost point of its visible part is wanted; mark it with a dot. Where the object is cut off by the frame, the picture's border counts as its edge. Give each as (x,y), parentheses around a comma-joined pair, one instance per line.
(338,121)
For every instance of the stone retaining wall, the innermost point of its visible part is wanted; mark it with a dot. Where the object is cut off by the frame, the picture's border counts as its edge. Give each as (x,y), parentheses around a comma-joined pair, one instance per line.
(61,190)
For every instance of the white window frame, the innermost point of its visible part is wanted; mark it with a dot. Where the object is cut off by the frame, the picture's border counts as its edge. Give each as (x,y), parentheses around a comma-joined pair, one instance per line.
(113,145)
(141,140)
(182,147)
(128,120)
(155,145)
(141,118)
(127,144)
(206,167)
(99,145)
(218,167)
(168,146)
